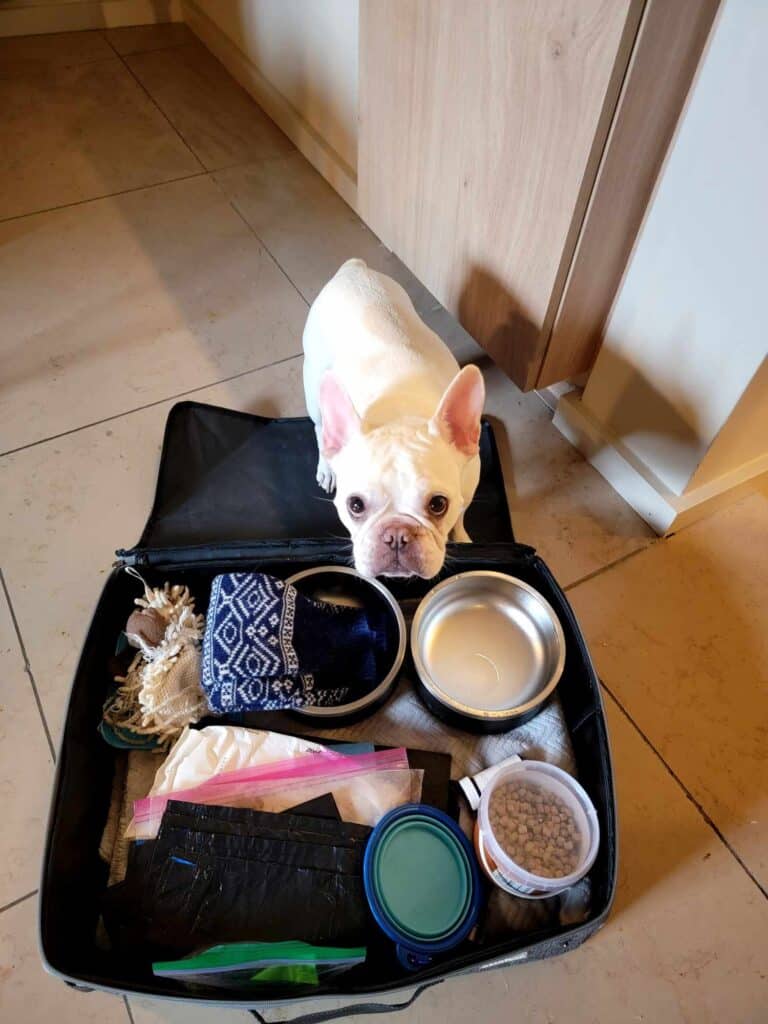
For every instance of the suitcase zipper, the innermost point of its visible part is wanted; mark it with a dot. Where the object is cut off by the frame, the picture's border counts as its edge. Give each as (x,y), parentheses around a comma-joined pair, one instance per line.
(305,548)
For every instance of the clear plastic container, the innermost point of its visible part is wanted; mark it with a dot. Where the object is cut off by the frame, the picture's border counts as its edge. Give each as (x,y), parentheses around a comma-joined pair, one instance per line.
(499,865)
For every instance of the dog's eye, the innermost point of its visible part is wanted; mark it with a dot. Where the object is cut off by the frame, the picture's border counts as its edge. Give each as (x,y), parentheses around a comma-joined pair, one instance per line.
(356,505)
(438,505)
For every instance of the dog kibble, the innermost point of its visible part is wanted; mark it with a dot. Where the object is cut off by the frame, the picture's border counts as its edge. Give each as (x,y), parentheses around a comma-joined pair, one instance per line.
(535,828)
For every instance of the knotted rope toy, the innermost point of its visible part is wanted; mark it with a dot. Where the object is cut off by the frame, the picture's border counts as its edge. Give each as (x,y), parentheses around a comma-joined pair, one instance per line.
(160,693)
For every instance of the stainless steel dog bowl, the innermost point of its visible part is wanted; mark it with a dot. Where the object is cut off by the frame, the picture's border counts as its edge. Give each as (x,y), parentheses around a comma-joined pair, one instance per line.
(340,585)
(488,650)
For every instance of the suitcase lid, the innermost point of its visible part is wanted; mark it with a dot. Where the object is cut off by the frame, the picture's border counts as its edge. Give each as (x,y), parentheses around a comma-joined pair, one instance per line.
(229,477)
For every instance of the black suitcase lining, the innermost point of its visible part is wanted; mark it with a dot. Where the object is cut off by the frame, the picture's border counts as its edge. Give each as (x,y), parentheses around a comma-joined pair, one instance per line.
(75,876)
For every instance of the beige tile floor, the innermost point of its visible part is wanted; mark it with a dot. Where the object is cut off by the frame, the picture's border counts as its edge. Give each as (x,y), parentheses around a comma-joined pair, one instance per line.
(159,237)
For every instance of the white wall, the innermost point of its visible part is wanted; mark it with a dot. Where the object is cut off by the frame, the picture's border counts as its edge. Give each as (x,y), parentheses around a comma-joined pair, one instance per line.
(688,330)
(299,59)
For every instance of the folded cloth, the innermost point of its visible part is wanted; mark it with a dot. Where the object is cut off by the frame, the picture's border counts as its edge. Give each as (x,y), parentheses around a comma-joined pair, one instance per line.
(110,833)
(199,754)
(266,647)
(229,874)
(133,776)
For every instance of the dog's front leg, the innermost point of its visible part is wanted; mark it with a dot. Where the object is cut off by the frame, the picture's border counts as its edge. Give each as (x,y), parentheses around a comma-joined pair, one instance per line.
(325,475)
(458,534)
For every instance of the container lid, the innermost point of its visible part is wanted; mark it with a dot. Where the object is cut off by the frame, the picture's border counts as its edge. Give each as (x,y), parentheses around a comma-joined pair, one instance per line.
(227,477)
(422,878)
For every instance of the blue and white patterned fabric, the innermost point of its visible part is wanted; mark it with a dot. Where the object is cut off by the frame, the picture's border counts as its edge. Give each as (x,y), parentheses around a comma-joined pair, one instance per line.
(268,647)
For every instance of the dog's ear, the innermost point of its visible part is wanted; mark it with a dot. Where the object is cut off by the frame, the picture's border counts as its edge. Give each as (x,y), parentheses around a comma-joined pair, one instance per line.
(338,416)
(458,415)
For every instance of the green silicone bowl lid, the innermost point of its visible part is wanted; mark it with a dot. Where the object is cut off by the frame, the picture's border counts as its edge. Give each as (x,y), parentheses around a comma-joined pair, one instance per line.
(422,878)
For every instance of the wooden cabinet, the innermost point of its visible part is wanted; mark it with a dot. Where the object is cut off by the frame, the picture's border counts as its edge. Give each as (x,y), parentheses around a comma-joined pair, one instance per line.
(483,124)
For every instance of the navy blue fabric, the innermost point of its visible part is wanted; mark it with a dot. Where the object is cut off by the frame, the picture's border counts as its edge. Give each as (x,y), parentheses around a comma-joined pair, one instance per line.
(268,647)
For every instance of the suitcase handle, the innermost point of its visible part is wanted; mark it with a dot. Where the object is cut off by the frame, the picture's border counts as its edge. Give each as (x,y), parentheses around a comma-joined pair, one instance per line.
(321,1016)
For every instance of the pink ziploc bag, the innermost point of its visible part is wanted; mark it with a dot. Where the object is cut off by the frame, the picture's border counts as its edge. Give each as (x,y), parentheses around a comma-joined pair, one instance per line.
(248,787)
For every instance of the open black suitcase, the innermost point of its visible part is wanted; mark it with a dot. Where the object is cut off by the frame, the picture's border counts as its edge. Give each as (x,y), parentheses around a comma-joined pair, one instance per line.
(236,490)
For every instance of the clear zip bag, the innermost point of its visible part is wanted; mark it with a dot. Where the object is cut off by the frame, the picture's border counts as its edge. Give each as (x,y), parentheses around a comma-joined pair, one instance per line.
(364,786)
(235,964)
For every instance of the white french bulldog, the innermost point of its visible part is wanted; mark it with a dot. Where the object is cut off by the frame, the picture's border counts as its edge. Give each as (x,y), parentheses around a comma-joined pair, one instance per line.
(397,423)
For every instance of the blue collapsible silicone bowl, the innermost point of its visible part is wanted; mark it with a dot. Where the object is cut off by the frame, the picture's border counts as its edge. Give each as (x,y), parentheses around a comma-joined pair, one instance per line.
(422,882)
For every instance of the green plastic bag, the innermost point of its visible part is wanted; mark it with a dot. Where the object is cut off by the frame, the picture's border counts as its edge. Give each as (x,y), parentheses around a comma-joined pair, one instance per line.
(243,964)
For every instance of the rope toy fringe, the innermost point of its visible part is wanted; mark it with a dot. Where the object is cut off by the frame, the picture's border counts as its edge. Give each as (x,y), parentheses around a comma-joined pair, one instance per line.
(161,693)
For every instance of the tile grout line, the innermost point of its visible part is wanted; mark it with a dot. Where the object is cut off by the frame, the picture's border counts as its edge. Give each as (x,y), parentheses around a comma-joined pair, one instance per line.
(266,158)
(27,666)
(150,405)
(108,195)
(152,49)
(154,102)
(53,65)
(128,1010)
(684,788)
(653,542)
(261,242)
(15,903)
(612,565)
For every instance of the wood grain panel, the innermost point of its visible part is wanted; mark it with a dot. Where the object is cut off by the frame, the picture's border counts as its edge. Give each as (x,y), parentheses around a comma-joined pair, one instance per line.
(478,122)
(666,55)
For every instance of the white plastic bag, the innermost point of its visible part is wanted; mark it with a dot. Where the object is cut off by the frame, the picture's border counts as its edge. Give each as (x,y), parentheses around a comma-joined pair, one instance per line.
(199,754)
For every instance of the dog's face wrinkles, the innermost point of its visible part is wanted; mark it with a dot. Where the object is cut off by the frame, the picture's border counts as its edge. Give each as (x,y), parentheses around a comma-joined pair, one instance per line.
(398,492)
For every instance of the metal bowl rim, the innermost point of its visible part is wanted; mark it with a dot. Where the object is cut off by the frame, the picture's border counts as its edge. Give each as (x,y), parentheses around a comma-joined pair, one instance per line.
(373,695)
(478,714)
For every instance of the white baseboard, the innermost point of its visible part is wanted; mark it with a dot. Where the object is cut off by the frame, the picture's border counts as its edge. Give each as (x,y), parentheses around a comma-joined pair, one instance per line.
(552,394)
(37,19)
(663,510)
(307,140)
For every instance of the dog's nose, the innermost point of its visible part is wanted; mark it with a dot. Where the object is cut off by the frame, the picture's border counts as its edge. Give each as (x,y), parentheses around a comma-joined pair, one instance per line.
(397,537)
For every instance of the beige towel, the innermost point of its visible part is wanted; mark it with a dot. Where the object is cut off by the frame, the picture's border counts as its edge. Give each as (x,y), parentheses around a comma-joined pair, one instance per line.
(134,774)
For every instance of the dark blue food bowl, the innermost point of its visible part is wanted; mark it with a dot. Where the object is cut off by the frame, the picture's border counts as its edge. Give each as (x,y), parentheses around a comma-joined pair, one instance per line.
(422,882)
